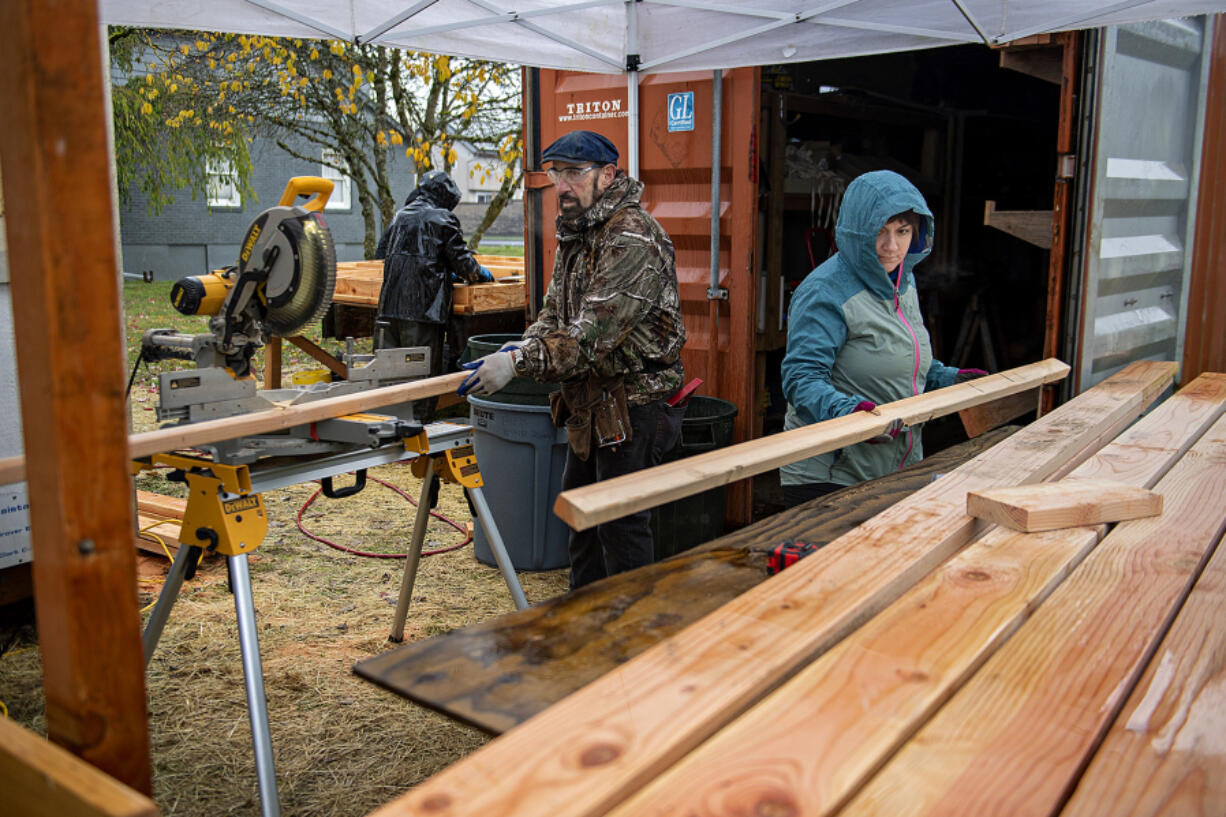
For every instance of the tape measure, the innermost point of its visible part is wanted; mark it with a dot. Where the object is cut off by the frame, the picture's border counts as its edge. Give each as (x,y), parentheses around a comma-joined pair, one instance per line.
(788,553)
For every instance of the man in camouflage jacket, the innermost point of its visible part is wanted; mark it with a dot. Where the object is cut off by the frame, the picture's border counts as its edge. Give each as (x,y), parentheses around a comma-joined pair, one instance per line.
(611,319)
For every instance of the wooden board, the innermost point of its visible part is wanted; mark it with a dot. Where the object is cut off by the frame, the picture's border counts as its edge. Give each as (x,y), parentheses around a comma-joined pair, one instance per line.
(67,325)
(817,738)
(1032,226)
(556,647)
(1068,503)
(167,530)
(359,282)
(582,508)
(169,507)
(473,298)
(593,749)
(191,435)
(981,418)
(39,779)
(1164,753)
(1014,738)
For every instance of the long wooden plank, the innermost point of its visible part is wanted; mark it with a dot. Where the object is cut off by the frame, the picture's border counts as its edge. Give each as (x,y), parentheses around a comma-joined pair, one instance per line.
(67,325)
(1015,737)
(1068,503)
(193,435)
(1164,754)
(160,504)
(817,738)
(587,753)
(577,637)
(39,779)
(591,505)
(978,419)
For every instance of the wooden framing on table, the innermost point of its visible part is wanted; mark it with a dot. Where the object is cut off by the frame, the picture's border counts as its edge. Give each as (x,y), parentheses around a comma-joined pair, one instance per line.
(66,318)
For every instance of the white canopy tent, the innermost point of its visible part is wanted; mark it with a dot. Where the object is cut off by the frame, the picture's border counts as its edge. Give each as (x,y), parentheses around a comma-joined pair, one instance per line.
(612,36)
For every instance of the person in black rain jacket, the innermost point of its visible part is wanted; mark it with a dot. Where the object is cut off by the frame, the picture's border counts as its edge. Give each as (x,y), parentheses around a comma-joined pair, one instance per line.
(423,251)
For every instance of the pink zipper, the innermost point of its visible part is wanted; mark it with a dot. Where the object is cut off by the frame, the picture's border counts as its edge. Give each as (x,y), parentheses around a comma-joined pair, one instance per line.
(915,370)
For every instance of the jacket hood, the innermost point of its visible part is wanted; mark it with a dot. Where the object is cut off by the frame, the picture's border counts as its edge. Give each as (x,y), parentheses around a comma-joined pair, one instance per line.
(869,202)
(621,193)
(439,188)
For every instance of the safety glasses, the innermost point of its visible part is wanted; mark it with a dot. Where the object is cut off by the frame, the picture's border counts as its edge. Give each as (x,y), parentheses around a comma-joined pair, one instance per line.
(570,175)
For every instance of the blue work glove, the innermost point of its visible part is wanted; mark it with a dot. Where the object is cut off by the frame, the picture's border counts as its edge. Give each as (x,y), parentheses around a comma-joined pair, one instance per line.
(486,276)
(455,279)
(489,374)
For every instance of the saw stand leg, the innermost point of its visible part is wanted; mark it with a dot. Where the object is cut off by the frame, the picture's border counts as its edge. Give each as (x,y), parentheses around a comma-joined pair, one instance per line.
(249,647)
(419,535)
(222,515)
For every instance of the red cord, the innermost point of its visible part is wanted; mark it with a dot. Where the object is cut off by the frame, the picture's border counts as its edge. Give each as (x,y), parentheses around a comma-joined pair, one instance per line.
(368,554)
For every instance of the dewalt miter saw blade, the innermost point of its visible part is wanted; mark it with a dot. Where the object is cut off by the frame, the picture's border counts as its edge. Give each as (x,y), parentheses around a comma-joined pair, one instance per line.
(302,273)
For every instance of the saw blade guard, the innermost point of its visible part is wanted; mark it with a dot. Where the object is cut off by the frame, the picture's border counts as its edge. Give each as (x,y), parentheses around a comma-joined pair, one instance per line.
(294,249)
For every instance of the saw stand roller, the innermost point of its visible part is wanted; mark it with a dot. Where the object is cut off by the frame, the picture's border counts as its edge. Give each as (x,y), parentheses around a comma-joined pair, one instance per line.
(457,466)
(223,515)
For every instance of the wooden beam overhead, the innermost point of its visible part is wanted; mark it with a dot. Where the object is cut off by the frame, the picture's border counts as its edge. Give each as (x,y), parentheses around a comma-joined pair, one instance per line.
(66,317)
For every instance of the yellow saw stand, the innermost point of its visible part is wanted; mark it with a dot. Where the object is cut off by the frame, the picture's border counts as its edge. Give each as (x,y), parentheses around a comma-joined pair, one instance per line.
(225,514)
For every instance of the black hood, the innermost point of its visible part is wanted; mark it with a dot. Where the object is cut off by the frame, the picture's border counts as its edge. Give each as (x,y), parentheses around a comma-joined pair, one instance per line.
(440,189)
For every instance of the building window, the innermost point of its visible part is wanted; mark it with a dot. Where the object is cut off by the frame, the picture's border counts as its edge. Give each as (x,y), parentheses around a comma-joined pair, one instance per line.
(339,200)
(485,198)
(223,184)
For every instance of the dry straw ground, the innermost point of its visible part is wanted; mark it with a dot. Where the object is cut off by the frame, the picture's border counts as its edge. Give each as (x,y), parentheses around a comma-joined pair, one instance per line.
(342,745)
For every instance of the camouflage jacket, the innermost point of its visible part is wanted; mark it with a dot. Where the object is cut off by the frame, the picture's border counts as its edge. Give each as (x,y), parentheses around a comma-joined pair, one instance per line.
(613,307)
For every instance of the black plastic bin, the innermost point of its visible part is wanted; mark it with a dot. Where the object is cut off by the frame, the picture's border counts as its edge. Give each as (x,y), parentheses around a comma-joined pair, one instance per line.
(692,520)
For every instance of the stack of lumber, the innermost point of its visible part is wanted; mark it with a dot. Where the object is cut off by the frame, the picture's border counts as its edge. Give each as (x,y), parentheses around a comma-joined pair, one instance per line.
(160,516)
(358,283)
(927,661)
(577,637)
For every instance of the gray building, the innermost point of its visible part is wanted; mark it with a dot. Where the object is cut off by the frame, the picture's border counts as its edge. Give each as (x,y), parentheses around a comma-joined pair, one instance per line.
(195,235)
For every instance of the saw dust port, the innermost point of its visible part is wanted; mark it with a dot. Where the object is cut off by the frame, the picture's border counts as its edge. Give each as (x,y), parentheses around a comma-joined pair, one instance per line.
(342,746)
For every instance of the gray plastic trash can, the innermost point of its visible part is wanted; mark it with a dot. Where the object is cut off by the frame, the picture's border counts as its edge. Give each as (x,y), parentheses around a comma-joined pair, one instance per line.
(521,455)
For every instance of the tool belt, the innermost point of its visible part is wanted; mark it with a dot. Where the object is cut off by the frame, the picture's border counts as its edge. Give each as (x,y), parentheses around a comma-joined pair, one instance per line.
(593,408)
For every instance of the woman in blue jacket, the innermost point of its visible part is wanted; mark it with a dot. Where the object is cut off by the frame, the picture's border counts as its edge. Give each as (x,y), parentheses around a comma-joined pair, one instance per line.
(856,338)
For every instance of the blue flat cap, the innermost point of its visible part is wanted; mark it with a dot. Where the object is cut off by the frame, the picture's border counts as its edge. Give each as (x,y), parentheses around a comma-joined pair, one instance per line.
(581,146)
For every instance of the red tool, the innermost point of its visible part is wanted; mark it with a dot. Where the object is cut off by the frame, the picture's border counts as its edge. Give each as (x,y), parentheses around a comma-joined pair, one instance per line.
(788,553)
(683,393)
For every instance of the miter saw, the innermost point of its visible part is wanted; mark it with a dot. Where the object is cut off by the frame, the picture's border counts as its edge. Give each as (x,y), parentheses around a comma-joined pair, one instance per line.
(284,280)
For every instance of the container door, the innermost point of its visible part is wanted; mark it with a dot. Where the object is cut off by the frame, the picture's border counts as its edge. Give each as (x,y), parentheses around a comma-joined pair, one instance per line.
(1149,105)
(675,164)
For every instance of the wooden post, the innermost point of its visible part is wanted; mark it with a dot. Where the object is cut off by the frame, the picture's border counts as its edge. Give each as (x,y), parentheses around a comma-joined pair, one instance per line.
(65,287)
(272,363)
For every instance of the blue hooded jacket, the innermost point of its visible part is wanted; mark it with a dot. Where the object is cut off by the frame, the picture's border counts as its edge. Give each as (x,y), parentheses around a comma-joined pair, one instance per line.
(854,335)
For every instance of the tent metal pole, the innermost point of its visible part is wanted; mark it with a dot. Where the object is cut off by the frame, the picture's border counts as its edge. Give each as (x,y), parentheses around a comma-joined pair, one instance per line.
(714,293)
(309,22)
(632,88)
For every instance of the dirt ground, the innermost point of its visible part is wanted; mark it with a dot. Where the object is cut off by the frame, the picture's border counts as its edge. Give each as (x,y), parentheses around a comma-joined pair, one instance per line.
(342,746)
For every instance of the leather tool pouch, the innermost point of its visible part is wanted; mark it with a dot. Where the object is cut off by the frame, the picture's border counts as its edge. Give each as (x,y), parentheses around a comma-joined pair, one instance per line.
(592,410)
